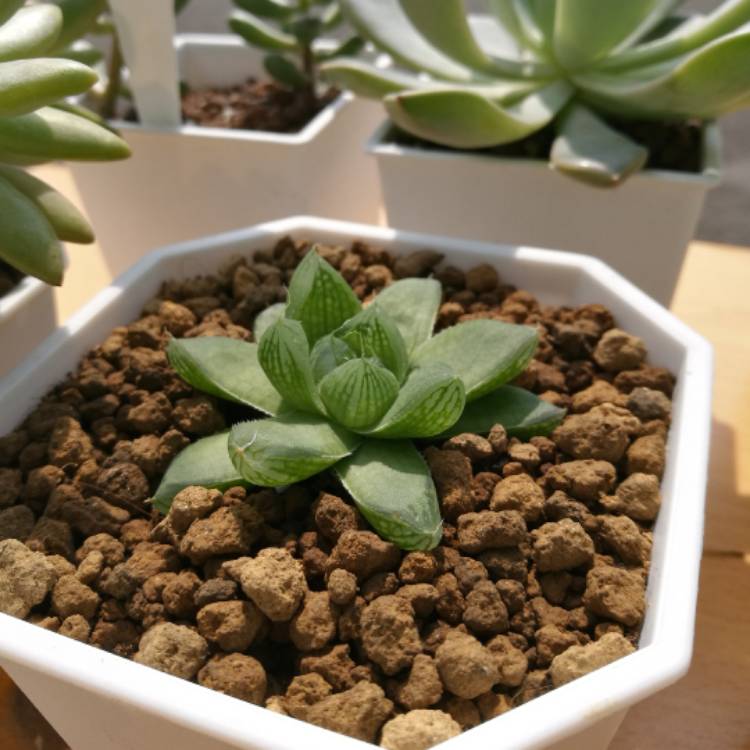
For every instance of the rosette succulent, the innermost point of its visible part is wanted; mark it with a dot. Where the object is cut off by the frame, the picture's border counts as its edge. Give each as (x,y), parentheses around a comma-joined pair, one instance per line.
(348,388)
(36,126)
(288,30)
(574,63)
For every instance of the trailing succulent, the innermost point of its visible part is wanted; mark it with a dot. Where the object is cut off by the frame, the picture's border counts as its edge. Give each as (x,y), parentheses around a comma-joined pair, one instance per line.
(288,30)
(36,126)
(475,83)
(350,388)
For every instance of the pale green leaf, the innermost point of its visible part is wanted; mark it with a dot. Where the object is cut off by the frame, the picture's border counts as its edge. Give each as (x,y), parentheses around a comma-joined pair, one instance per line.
(51,133)
(464,119)
(358,393)
(351,46)
(484,354)
(319,297)
(8,8)
(373,333)
(429,402)
(225,368)
(328,353)
(27,85)
(83,52)
(284,355)
(413,306)
(204,463)
(536,19)
(79,18)
(259,33)
(266,8)
(393,489)
(66,220)
(27,239)
(284,71)
(521,413)
(266,318)
(31,32)
(587,149)
(280,451)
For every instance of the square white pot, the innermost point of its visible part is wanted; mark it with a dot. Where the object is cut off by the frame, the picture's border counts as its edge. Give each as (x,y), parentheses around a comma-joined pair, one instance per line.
(98,701)
(641,228)
(190,181)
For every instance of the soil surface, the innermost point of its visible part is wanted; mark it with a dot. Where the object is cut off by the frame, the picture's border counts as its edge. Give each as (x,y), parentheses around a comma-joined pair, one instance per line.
(288,599)
(9,278)
(672,146)
(253,105)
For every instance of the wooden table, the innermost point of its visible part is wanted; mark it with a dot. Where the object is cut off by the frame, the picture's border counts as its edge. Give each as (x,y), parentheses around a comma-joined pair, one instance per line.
(710,708)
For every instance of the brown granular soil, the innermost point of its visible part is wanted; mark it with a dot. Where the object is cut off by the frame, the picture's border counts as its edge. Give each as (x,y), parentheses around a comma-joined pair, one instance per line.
(9,278)
(287,599)
(253,105)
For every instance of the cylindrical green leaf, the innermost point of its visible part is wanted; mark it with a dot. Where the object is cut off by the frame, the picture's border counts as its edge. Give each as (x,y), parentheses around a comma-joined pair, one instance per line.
(284,71)
(8,8)
(27,85)
(259,33)
(51,133)
(68,223)
(31,32)
(27,239)
(83,52)
(79,17)
(266,8)
(358,393)
(284,355)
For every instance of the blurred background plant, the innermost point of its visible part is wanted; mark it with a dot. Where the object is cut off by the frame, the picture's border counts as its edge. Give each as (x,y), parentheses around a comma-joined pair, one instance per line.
(37,125)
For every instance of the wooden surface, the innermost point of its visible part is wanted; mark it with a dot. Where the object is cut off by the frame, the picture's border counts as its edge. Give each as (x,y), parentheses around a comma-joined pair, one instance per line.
(710,708)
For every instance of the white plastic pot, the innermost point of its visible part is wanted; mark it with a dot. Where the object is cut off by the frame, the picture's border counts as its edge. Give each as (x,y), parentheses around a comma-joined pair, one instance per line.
(641,229)
(190,181)
(98,701)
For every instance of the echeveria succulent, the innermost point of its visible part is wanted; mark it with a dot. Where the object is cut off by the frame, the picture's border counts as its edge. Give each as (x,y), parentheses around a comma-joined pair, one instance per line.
(349,388)
(289,29)
(37,126)
(571,62)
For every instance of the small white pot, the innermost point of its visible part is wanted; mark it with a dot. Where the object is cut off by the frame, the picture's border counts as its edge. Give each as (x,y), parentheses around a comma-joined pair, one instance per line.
(192,180)
(98,701)
(642,228)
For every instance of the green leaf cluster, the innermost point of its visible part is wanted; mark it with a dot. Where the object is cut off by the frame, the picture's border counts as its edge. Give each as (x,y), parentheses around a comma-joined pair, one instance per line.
(570,63)
(37,126)
(350,388)
(288,30)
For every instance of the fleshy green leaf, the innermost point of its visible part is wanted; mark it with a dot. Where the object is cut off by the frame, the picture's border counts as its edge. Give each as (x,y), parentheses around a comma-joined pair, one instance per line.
(259,33)
(225,368)
(413,306)
(536,19)
(393,489)
(284,71)
(83,52)
(521,413)
(319,297)
(465,119)
(266,8)
(358,393)
(328,353)
(266,318)
(366,80)
(587,149)
(332,17)
(51,133)
(79,17)
(284,355)
(27,239)
(279,451)
(204,463)
(27,85)
(31,32)
(66,220)
(373,333)
(352,46)
(484,354)
(8,8)
(429,402)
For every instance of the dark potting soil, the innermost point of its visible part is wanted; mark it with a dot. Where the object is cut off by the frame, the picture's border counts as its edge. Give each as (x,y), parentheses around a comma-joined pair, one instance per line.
(253,105)
(9,278)
(677,147)
(288,599)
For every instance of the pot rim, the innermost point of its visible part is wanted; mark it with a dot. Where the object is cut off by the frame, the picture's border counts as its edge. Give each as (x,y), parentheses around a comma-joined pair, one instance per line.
(27,289)
(309,133)
(380,146)
(558,714)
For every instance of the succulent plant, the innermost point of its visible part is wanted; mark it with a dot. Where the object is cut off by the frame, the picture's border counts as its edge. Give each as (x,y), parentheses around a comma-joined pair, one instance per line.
(288,29)
(37,126)
(350,388)
(571,63)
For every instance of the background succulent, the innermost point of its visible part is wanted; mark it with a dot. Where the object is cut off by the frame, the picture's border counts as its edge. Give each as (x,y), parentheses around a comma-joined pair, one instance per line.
(288,29)
(37,126)
(349,388)
(571,62)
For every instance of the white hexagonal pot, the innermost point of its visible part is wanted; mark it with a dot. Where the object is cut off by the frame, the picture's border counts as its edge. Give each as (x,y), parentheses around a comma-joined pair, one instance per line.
(98,701)
(190,181)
